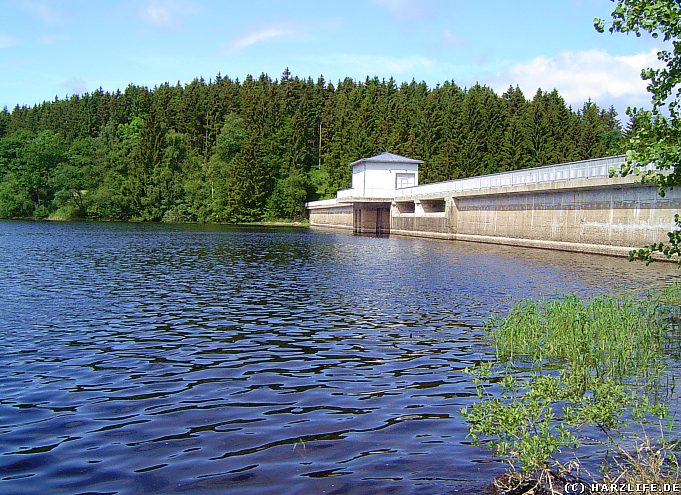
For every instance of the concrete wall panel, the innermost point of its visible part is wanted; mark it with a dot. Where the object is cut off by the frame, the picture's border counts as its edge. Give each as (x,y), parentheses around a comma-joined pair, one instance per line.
(595,215)
(439,224)
(622,216)
(338,217)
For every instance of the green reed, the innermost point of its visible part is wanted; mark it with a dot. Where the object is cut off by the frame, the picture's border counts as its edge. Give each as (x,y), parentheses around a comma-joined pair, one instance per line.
(671,294)
(614,336)
(598,362)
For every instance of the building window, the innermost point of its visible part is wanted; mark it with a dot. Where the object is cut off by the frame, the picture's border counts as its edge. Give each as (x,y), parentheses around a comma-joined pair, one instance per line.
(405,180)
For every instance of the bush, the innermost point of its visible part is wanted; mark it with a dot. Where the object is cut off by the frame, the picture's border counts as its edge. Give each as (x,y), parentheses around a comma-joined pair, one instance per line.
(563,365)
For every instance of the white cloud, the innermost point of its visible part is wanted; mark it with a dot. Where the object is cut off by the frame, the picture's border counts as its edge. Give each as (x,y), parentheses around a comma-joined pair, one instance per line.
(606,79)
(399,65)
(285,30)
(453,39)
(6,41)
(263,34)
(167,14)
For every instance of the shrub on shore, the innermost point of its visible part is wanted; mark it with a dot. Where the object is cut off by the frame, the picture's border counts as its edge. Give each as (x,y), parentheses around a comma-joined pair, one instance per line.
(566,369)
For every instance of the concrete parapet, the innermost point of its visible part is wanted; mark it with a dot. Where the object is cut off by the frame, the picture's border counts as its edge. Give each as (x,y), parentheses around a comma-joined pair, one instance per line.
(598,215)
(435,224)
(331,216)
(584,212)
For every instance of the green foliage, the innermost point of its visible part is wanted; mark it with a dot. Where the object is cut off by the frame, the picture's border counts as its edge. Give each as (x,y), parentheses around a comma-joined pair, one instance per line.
(532,419)
(590,143)
(247,184)
(14,200)
(611,351)
(520,424)
(4,121)
(320,183)
(27,164)
(231,137)
(607,334)
(288,198)
(73,179)
(656,137)
(227,151)
(671,294)
(227,171)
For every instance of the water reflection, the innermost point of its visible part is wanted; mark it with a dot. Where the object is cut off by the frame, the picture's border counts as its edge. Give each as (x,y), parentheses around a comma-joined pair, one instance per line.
(153,359)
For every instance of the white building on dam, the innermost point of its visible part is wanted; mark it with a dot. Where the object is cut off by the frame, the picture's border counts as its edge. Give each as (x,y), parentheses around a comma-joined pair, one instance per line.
(573,206)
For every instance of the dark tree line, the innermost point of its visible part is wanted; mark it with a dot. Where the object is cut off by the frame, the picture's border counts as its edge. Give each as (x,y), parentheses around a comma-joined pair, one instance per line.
(234,151)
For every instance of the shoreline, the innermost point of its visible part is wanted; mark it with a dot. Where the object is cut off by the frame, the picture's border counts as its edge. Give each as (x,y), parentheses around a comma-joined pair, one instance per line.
(274,223)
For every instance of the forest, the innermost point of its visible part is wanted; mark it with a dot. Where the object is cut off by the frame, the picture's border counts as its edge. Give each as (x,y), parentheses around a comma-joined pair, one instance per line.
(242,151)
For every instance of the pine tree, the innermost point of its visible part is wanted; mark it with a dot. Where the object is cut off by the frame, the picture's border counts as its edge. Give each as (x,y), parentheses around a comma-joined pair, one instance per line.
(537,132)
(4,122)
(480,129)
(611,131)
(164,152)
(514,148)
(590,143)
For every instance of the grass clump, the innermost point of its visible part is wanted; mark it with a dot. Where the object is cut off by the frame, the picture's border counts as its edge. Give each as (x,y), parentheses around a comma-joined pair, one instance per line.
(564,367)
(671,294)
(647,463)
(527,419)
(610,335)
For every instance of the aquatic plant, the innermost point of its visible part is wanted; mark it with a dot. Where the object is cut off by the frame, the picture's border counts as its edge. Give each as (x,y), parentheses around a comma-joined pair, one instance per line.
(649,463)
(564,365)
(527,420)
(671,295)
(607,334)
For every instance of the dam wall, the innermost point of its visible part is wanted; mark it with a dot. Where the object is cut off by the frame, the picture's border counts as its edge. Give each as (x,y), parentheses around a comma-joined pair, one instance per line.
(573,207)
(330,214)
(609,217)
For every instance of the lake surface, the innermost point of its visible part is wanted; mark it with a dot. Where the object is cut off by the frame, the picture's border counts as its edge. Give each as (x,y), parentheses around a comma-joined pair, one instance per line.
(198,359)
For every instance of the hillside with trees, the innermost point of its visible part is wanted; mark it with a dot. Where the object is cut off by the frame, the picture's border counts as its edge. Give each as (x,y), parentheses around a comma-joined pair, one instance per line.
(237,151)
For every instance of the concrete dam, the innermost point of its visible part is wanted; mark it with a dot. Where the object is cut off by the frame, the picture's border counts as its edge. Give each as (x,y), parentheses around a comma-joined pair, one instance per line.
(573,206)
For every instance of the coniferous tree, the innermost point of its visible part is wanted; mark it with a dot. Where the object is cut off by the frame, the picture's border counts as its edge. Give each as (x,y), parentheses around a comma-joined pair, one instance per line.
(165,153)
(514,147)
(537,132)
(4,121)
(611,131)
(590,143)
(480,128)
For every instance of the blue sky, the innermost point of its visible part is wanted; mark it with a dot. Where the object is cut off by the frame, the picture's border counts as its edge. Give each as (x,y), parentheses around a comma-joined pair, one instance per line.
(54,48)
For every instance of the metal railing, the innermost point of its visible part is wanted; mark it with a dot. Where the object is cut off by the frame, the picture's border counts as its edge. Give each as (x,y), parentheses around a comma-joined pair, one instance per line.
(585,169)
(368,192)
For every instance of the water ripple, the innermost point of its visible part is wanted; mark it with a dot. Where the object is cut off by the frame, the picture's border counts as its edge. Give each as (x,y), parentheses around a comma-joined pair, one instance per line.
(152,359)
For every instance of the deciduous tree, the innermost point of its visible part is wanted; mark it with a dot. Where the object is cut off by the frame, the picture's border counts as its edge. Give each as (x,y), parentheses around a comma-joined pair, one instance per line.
(656,138)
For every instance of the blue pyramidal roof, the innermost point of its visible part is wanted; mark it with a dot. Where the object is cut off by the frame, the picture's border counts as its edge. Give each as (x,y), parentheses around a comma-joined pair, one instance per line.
(386,157)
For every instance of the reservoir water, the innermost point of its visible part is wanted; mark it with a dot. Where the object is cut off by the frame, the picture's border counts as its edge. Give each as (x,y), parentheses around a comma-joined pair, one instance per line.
(198,359)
